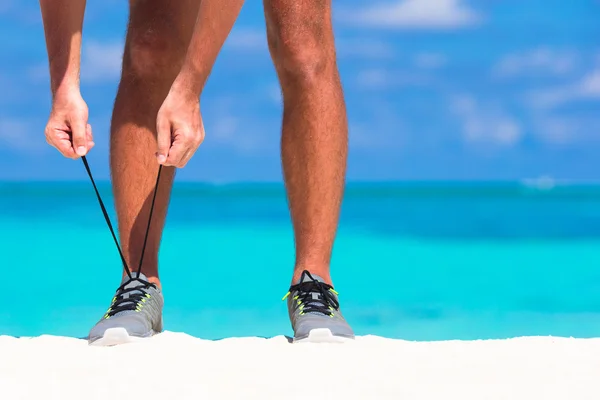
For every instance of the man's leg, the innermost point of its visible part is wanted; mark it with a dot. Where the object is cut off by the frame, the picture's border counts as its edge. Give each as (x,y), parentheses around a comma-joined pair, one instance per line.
(157,39)
(315,131)
(314,146)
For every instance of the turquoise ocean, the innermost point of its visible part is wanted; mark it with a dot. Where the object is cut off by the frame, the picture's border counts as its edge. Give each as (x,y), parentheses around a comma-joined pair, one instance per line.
(416,261)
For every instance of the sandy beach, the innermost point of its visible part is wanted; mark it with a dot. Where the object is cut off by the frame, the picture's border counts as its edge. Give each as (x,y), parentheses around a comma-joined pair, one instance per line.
(179,366)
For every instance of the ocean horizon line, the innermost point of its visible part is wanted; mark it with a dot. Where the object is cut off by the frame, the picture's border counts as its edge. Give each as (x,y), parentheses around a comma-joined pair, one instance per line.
(360,189)
(541,182)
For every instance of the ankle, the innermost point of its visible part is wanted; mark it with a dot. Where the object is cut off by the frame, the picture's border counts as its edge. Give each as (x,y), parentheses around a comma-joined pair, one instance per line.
(320,270)
(155,280)
(151,277)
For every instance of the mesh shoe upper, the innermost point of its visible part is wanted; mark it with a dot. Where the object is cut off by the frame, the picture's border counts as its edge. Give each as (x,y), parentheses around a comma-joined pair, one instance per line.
(313,304)
(136,307)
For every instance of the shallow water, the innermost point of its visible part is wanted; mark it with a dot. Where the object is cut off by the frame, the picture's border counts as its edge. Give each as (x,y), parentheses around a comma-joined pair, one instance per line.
(419,261)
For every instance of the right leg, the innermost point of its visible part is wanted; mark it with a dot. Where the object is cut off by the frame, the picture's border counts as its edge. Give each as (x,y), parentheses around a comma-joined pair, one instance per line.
(158,35)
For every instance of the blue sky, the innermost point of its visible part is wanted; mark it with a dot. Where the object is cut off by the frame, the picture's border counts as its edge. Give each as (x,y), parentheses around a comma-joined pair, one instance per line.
(436,89)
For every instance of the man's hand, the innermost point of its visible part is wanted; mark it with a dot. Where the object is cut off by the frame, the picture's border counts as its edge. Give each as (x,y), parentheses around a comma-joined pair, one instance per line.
(179,123)
(68,129)
(179,127)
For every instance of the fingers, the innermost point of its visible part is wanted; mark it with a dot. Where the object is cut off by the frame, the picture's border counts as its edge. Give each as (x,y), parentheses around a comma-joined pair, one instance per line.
(79,131)
(186,157)
(67,129)
(183,148)
(66,149)
(163,134)
(89,137)
(61,141)
(176,152)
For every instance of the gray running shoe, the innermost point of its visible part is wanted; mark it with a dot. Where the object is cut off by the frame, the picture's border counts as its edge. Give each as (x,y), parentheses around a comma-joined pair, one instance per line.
(135,313)
(315,312)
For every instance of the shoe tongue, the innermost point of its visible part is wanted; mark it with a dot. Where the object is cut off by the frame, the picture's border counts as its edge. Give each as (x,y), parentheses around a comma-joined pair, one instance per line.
(306,278)
(133,284)
(316,295)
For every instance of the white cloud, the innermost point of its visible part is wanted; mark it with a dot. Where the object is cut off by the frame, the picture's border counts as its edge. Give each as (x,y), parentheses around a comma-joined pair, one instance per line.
(12,92)
(382,128)
(274,93)
(551,97)
(6,6)
(101,62)
(556,130)
(225,127)
(415,14)
(100,122)
(380,78)
(554,125)
(563,130)
(248,39)
(586,88)
(39,73)
(22,136)
(590,85)
(238,128)
(238,132)
(364,48)
(430,60)
(378,134)
(373,78)
(255,40)
(486,123)
(541,60)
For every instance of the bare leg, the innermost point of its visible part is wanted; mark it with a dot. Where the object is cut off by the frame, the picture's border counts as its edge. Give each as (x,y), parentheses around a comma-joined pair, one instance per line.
(157,39)
(315,132)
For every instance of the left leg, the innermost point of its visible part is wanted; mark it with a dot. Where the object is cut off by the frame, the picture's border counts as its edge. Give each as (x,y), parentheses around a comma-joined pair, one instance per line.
(315,132)
(314,145)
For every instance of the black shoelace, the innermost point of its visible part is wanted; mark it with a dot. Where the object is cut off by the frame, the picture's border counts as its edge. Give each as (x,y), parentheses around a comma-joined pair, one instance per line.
(126,298)
(324,304)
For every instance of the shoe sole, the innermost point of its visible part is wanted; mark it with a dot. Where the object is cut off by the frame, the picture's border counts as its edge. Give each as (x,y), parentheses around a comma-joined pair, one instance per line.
(322,335)
(117,336)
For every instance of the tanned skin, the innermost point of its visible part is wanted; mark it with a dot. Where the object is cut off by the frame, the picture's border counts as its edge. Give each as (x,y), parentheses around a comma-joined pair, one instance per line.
(170,49)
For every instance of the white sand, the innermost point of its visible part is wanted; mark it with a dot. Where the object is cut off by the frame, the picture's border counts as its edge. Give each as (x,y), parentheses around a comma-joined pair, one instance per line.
(177,366)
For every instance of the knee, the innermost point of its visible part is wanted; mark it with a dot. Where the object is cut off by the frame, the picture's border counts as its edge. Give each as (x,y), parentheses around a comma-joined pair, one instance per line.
(150,55)
(302,54)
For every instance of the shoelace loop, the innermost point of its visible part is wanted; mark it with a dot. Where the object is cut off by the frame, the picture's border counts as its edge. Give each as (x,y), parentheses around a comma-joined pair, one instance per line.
(324,303)
(131,302)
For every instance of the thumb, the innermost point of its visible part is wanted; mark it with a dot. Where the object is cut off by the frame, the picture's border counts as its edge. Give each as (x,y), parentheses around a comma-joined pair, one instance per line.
(163,134)
(79,135)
